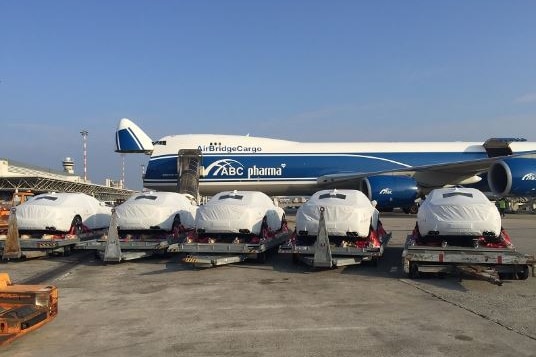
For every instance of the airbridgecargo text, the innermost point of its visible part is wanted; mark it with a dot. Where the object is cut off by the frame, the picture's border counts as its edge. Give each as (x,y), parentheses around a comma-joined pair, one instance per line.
(229,149)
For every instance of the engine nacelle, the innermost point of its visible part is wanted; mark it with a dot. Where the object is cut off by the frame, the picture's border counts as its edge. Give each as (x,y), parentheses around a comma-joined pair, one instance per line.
(390,191)
(516,176)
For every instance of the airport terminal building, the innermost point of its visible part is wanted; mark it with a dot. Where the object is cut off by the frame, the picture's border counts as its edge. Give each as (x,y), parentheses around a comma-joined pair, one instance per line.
(17,176)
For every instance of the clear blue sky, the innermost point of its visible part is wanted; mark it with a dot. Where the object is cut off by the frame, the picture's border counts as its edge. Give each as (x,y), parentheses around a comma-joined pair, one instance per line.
(293,69)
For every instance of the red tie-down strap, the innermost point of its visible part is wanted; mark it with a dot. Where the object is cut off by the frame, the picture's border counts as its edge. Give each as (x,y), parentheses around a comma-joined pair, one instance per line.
(85,229)
(373,237)
(284,226)
(504,242)
(191,236)
(416,233)
(506,238)
(381,232)
(180,229)
(293,237)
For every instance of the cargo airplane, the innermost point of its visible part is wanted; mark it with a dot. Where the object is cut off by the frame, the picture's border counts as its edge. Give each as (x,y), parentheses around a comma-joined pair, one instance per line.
(392,173)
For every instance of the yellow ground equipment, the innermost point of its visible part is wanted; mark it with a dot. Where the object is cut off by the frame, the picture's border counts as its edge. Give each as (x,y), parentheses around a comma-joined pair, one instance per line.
(17,199)
(24,308)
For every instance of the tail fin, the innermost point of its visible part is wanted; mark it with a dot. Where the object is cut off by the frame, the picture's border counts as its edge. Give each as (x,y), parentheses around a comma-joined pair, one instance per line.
(129,138)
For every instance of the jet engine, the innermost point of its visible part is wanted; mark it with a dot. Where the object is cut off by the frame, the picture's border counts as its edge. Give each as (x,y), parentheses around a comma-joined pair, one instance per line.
(515,176)
(391,191)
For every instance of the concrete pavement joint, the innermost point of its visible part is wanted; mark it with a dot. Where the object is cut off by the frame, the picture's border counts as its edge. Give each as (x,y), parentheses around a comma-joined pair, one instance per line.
(431,293)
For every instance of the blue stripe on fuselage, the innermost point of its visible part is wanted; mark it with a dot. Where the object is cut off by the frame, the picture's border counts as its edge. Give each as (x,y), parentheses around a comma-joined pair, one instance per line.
(269,167)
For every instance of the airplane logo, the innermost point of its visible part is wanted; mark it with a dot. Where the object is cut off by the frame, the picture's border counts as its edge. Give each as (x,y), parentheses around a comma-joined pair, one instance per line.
(225,167)
(386,191)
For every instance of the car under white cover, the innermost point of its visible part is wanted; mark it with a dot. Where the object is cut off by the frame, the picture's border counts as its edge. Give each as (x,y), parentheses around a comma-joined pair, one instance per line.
(458,211)
(239,212)
(156,211)
(63,212)
(346,211)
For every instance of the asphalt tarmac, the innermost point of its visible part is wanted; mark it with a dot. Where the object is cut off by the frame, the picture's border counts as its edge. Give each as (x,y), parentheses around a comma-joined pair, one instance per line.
(161,307)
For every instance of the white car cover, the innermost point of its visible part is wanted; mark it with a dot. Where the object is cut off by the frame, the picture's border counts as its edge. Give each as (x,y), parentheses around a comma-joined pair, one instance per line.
(233,211)
(155,209)
(345,211)
(458,212)
(57,210)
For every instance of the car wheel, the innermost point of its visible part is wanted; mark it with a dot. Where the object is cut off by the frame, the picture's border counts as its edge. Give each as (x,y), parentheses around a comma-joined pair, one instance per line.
(264,227)
(283,221)
(176,226)
(77,226)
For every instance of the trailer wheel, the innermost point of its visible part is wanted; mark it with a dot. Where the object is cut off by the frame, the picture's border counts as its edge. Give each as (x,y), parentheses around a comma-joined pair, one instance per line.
(261,257)
(295,258)
(67,250)
(506,276)
(414,271)
(523,274)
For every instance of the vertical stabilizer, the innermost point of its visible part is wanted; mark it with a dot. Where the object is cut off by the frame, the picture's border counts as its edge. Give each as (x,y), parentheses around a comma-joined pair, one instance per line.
(129,138)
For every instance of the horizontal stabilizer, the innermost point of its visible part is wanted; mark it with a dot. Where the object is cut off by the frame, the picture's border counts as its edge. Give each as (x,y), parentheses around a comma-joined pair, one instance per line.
(129,138)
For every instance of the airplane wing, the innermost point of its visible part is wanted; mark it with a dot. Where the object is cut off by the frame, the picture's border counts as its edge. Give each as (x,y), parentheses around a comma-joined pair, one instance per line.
(428,175)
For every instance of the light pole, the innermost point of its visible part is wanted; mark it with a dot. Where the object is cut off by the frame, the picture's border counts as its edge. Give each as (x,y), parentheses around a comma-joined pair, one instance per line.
(84,139)
(122,170)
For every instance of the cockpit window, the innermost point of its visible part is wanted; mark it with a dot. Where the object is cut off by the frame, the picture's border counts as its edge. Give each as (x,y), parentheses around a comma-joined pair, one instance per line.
(160,142)
(145,197)
(332,195)
(452,194)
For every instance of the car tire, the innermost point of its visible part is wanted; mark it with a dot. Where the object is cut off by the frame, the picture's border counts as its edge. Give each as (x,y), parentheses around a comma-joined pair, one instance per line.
(77,227)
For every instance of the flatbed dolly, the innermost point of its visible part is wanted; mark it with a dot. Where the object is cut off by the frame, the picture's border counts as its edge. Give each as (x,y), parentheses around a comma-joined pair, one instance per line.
(112,249)
(490,264)
(322,254)
(17,247)
(206,255)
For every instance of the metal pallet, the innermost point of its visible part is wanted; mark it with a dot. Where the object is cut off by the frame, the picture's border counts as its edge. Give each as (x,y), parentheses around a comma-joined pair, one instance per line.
(323,255)
(13,247)
(114,250)
(215,254)
(485,263)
